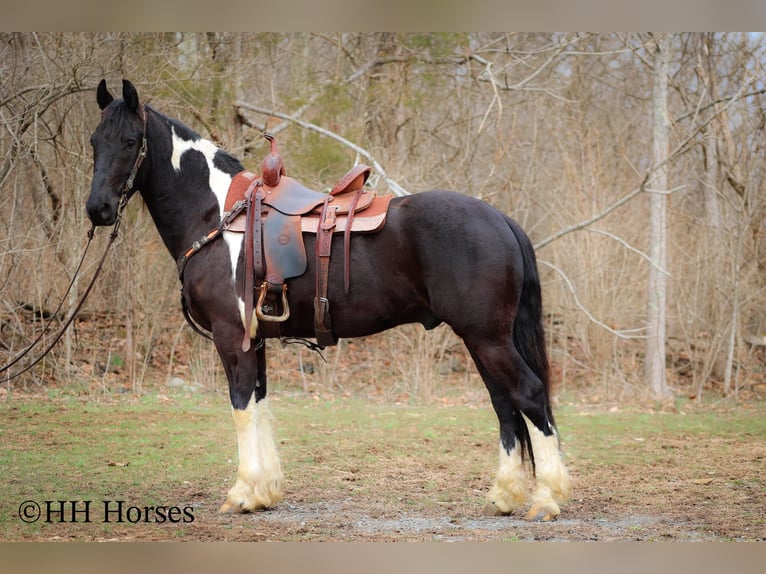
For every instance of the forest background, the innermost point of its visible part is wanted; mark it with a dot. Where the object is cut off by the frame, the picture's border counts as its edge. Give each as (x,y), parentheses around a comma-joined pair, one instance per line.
(555,129)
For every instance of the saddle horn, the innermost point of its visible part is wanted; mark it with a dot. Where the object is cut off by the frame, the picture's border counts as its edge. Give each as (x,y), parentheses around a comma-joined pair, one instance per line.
(272,168)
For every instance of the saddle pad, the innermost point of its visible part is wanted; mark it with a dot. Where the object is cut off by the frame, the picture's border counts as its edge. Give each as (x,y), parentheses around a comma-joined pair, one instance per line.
(369,220)
(237,189)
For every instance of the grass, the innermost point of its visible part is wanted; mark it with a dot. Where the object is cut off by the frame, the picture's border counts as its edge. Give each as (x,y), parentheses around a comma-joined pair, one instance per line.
(362,444)
(66,450)
(622,437)
(390,459)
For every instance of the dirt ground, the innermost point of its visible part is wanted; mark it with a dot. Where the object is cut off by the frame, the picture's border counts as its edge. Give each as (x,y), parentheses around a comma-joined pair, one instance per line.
(621,505)
(670,486)
(682,512)
(600,511)
(348,520)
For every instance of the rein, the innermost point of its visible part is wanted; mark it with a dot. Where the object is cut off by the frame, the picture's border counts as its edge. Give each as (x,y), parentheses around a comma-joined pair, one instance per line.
(78,307)
(227,219)
(124,196)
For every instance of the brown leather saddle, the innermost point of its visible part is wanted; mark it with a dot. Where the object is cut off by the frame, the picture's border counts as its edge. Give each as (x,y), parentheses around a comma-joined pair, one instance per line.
(274,211)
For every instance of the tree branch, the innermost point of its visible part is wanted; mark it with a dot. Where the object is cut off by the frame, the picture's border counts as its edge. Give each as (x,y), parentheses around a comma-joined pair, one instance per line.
(621,334)
(583,224)
(629,247)
(393,185)
(679,150)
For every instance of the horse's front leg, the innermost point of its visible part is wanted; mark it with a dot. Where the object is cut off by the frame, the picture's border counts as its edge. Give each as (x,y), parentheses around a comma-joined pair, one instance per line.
(259,475)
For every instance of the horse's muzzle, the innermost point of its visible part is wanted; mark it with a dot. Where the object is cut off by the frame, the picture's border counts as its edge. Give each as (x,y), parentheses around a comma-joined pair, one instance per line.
(101,213)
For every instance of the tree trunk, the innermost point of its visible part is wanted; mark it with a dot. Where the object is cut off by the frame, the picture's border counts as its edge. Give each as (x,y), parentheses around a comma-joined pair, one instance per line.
(657,292)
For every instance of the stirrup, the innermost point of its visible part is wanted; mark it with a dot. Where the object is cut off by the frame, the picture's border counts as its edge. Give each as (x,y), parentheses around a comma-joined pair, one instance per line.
(262,297)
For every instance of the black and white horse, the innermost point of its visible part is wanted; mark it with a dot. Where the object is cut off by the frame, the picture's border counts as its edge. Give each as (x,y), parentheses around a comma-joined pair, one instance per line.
(441,257)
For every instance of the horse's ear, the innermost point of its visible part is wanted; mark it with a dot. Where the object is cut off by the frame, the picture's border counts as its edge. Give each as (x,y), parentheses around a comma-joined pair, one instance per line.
(103,97)
(130,95)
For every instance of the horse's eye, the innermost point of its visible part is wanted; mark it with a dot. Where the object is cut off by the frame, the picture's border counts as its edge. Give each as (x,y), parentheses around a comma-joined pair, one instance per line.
(130,142)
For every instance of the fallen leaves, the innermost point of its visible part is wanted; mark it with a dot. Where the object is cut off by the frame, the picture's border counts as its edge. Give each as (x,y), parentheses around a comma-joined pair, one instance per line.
(702,481)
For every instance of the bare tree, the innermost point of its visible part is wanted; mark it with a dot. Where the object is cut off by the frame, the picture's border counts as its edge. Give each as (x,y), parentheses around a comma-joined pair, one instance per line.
(552,128)
(657,290)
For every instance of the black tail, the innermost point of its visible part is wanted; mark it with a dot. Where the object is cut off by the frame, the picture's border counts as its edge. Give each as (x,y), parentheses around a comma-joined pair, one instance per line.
(528,332)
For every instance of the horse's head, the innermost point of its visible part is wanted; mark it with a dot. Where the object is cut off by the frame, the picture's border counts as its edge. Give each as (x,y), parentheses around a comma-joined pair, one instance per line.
(119,147)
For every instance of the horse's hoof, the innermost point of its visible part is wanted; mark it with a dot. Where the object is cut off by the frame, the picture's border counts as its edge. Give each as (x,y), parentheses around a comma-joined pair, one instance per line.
(491,509)
(540,514)
(230,507)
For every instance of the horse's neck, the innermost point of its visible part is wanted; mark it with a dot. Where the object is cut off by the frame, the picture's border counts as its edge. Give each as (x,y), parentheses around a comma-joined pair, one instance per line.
(178,193)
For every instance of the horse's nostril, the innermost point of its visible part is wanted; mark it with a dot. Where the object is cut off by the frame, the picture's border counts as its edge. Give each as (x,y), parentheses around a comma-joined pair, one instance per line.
(101,215)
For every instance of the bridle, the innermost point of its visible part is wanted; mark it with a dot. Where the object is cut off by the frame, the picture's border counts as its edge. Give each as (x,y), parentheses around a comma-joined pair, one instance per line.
(126,191)
(125,194)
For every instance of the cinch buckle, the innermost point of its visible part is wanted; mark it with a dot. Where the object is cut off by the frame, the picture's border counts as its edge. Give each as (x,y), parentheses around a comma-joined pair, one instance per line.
(272,318)
(321,311)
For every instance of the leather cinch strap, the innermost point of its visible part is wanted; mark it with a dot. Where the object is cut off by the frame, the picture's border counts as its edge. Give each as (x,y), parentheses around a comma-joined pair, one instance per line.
(253,253)
(322,320)
(347,242)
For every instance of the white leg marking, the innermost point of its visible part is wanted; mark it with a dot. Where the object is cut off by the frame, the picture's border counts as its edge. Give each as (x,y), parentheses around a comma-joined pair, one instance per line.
(553,483)
(259,477)
(509,491)
(253,321)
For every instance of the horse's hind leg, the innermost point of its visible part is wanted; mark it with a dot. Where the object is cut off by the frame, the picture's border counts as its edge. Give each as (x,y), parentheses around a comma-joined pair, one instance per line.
(259,474)
(521,403)
(509,491)
(553,482)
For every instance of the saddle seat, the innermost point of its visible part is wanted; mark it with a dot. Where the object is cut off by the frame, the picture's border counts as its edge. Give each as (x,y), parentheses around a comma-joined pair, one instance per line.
(290,209)
(290,197)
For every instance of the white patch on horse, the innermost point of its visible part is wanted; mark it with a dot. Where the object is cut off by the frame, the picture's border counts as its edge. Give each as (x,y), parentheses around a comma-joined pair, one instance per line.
(509,491)
(219,182)
(553,482)
(234,242)
(259,476)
